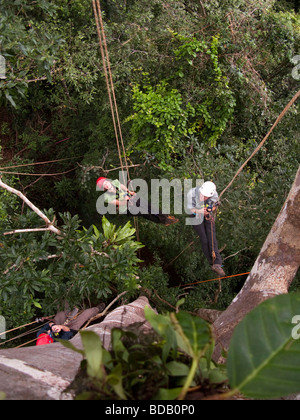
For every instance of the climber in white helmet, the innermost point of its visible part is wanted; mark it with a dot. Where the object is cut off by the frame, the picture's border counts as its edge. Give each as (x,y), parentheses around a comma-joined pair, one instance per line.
(201,202)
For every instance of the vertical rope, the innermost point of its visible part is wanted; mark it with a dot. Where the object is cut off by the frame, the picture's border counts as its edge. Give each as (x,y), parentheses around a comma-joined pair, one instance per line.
(110,85)
(111,95)
(279,118)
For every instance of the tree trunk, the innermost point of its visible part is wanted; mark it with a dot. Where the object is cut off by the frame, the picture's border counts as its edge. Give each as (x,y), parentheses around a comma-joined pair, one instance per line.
(44,372)
(272,273)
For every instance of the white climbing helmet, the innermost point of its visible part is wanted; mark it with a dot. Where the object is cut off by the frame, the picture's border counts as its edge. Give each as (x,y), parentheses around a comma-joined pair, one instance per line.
(208,189)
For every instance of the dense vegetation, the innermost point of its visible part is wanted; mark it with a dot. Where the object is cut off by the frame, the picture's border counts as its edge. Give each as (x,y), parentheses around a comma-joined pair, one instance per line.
(198,85)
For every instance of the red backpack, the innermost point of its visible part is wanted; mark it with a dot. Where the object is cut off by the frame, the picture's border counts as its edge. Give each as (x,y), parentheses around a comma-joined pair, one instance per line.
(44,339)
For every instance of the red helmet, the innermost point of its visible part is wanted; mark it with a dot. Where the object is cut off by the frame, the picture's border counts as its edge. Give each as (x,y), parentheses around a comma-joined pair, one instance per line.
(44,339)
(100,182)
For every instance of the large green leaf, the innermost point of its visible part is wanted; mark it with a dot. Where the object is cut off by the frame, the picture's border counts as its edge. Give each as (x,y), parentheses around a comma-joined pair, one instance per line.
(93,353)
(193,333)
(115,379)
(263,358)
(163,326)
(108,228)
(125,232)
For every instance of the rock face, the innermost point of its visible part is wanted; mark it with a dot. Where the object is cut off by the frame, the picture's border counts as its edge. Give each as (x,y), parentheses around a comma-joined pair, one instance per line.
(37,373)
(44,372)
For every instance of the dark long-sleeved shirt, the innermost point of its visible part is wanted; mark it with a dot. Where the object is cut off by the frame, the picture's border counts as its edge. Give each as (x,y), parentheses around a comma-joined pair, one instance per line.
(62,335)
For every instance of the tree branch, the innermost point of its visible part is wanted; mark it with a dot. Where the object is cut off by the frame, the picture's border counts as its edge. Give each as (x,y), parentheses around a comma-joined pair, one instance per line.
(26,231)
(105,310)
(32,206)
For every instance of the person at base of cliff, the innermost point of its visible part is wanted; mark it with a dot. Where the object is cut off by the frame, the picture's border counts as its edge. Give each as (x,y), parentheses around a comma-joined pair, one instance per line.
(66,324)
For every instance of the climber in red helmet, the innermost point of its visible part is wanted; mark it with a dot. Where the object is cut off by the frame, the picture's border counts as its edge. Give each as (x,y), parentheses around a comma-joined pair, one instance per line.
(120,196)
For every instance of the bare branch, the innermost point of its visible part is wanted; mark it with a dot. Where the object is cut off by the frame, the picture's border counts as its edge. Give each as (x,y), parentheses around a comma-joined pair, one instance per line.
(26,231)
(105,310)
(49,257)
(32,206)
(94,252)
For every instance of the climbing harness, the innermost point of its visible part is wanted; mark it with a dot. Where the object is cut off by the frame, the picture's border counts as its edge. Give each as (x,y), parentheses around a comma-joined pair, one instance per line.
(121,148)
(212,210)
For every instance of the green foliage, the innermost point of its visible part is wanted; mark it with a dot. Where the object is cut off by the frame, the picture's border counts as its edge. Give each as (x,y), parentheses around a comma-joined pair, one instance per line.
(206,79)
(263,356)
(162,109)
(44,271)
(94,352)
(8,206)
(153,366)
(217,104)
(164,124)
(192,335)
(26,44)
(262,360)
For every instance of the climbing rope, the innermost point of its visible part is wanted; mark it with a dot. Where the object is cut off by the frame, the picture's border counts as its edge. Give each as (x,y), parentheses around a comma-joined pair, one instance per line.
(39,163)
(34,330)
(110,84)
(112,96)
(117,125)
(18,328)
(293,100)
(217,279)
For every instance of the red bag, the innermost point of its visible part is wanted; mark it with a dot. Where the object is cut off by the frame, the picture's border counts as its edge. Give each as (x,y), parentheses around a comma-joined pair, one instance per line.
(44,339)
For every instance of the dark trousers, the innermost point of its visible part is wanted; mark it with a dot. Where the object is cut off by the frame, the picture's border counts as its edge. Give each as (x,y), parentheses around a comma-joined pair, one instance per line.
(207,234)
(79,321)
(152,213)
